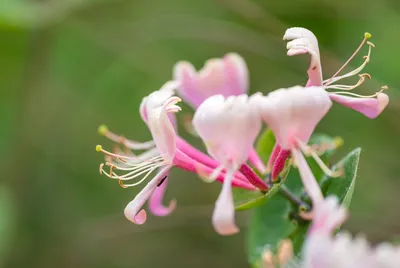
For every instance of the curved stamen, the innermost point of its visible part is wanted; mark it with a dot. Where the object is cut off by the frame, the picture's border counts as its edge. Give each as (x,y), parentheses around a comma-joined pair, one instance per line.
(308,151)
(139,182)
(135,173)
(356,71)
(350,87)
(361,96)
(134,145)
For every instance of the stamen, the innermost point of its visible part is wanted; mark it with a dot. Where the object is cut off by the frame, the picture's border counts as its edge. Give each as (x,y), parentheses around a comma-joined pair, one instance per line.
(360,96)
(139,182)
(320,149)
(132,159)
(350,87)
(308,151)
(366,36)
(136,172)
(104,131)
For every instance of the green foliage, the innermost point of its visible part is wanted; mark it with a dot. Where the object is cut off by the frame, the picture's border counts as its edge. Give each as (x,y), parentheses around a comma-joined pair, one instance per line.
(343,187)
(6,221)
(271,221)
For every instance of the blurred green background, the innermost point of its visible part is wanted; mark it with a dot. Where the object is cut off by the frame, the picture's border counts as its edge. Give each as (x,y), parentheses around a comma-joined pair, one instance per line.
(67,66)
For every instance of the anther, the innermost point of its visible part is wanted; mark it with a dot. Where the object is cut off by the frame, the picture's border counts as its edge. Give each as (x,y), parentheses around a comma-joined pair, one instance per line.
(121,183)
(367,35)
(101,168)
(102,130)
(99,148)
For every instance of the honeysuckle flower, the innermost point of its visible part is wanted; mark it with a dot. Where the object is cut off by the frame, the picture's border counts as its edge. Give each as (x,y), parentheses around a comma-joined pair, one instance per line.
(323,249)
(170,150)
(228,127)
(227,76)
(292,114)
(303,41)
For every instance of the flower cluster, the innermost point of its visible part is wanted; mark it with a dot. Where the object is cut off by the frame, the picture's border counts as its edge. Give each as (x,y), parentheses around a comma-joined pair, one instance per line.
(323,249)
(228,120)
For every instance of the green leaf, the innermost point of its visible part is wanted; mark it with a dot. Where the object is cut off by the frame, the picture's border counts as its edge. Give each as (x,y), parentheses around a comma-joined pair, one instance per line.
(343,187)
(269,224)
(265,144)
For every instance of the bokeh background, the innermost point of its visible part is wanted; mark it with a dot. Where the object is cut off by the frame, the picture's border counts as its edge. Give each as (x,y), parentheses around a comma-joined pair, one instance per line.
(67,66)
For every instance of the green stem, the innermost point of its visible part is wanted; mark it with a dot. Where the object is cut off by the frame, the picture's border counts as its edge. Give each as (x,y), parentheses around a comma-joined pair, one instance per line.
(293,199)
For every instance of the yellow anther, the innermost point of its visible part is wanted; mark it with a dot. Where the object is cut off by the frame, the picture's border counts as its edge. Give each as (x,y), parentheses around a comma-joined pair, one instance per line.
(367,35)
(103,129)
(99,148)
(338,141)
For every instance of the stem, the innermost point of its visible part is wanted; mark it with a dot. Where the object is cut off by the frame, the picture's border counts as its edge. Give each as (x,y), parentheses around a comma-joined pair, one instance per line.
(285,192)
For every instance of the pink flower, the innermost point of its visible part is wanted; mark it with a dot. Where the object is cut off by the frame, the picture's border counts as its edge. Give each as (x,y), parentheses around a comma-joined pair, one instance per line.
(292,114)
(324,250)
(228,127)
(227,76)
(170,150)
(303,41)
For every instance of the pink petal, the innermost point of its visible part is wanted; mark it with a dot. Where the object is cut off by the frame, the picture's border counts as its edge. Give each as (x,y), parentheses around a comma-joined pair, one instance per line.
(223,218)
(328,216)
(370,107)
(279,164)
(162,129)
(133,211)
(309,182)
(255,159)
(274,154)
(155,202)
(293,113)
(304,41)
(227,76)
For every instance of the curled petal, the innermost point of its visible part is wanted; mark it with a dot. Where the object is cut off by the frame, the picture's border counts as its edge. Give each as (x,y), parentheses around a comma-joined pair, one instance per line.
(227,76)
(304,41)
(156,201)
(223,218)
(162,129)
(157,99)
(370,107)
(133,211)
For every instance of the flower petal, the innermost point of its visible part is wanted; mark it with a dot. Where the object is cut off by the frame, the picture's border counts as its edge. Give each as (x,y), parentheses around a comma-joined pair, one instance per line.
(255,159)
(162,130)
(156,201)
(223,218)
(294,112)
(309,182)
(328,216)
(370,107)
(133,211)
(217,116)
(227,76)
(304,41)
